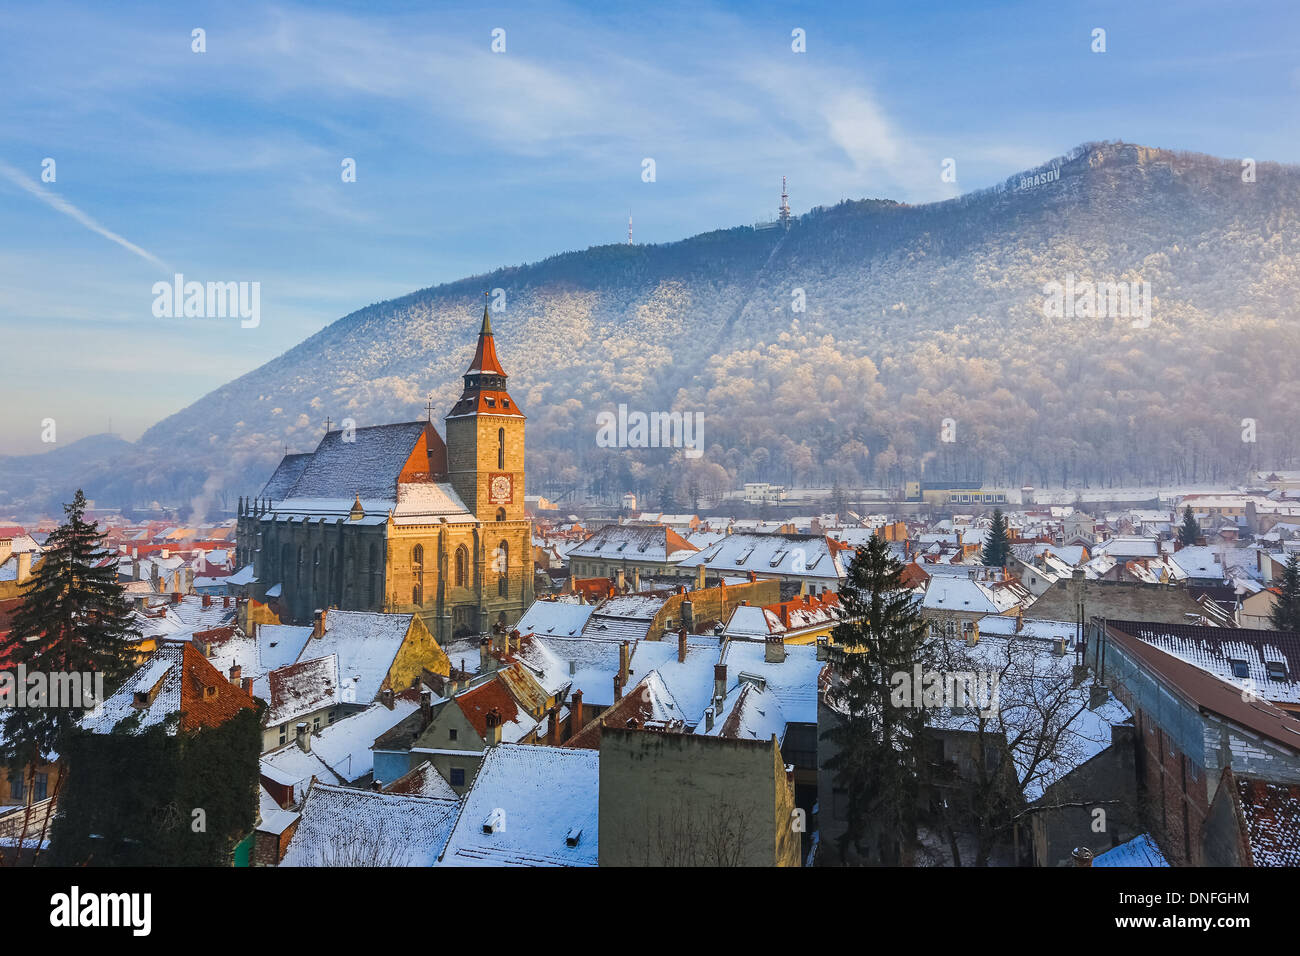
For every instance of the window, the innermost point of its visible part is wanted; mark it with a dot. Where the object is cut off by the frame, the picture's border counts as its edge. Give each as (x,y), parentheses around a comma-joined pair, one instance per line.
(451,734)
(417,565)
(284,733)
(503,566)
(1239,668)
(315,722)
(1276,670)
(41,788)
(458,776)
(17,788)
(501,514)
(501,449)
(462,566)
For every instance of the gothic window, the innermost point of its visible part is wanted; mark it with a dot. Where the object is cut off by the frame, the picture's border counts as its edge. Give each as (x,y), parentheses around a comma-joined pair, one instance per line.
(501,514)
(462,566)
(501,449)
(315,571)
(298,575)
(503,565)
(417,566)
(333,582)
(373,577)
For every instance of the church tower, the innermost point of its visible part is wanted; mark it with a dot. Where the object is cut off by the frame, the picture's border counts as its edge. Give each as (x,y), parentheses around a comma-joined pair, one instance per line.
(485,438)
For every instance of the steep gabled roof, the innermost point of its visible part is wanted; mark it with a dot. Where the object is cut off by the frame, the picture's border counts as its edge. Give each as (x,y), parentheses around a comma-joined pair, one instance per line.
(365,461)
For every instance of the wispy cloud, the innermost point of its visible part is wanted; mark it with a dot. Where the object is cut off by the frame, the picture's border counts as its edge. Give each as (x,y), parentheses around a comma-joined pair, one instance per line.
(55,201)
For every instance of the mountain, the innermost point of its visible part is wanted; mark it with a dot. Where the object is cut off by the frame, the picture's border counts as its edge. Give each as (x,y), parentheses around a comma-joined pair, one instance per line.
(42,480)
(921,323)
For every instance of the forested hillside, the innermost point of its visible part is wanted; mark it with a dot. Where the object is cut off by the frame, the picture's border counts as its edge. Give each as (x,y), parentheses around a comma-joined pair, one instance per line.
(914,315)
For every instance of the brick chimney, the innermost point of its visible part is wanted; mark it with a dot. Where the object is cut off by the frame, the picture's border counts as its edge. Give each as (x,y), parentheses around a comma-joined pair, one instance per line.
(636,579)
(774,648)
(318,624)
(618,688)
(484,655)
(575,711)
(207,601)
(699,577)
(624,661)
(426,708)
(235,671)
(176,597)
(553,727)
(719,682)
(247,686)
(493,722)
(622,581)
(688,614)
(681,646)
(304,738)
(386,697)
(24,565)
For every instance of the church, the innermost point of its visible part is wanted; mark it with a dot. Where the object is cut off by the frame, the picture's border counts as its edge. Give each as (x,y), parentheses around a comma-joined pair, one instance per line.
(396,518)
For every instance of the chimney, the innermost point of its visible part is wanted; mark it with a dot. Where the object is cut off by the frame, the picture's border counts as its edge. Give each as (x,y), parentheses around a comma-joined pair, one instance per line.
(719,683)
(247,685)
(575,711)
(304,738)
(176,597)
(1098,694)
(1058,646)
(207,601)
(624,660)
(688,615)
(699,577)
(426,708)
(24,565)
(636,580)
(484,655)
(318,624)
(1082,856)
(386,697)
(225,600)
(774,649)
(708,719)
(618,688)
(622,581)
(553,727)
(823,648)
(235,671)
(681,646)
(493,721)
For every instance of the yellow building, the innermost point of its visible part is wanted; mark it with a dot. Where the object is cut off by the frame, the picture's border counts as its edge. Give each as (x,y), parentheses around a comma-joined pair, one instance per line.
(395,518)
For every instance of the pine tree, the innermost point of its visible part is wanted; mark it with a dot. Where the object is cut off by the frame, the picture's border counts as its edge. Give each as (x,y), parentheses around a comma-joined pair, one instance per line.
(879,759)
(74,619)
(1286,609)
(997,547)
(1189,531)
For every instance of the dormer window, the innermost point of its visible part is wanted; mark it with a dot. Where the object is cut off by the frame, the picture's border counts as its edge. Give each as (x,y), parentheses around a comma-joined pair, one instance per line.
(491,402)
(1239,668)
(1276,670)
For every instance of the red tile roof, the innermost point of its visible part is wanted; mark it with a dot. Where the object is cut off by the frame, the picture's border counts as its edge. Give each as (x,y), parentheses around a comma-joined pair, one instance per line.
(198,711)
(493,695)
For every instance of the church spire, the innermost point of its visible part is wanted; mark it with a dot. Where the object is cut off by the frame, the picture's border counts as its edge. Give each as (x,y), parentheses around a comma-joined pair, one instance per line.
(485,364)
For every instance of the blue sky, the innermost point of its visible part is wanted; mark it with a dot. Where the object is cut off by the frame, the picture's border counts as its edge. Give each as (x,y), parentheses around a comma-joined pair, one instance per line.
(225,165)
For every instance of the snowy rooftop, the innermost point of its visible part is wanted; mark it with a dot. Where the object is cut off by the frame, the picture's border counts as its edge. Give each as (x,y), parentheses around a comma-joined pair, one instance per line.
(1139,851)
(342,826)
(366,644)
(805,556)
(793,681)
(530,806)
(555,619)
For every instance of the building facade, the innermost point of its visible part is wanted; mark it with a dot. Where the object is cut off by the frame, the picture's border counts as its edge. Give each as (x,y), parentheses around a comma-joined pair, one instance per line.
(395,518)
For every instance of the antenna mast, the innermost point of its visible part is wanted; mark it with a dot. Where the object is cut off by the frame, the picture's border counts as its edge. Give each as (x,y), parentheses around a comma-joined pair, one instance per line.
(784,215)
(629,227)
